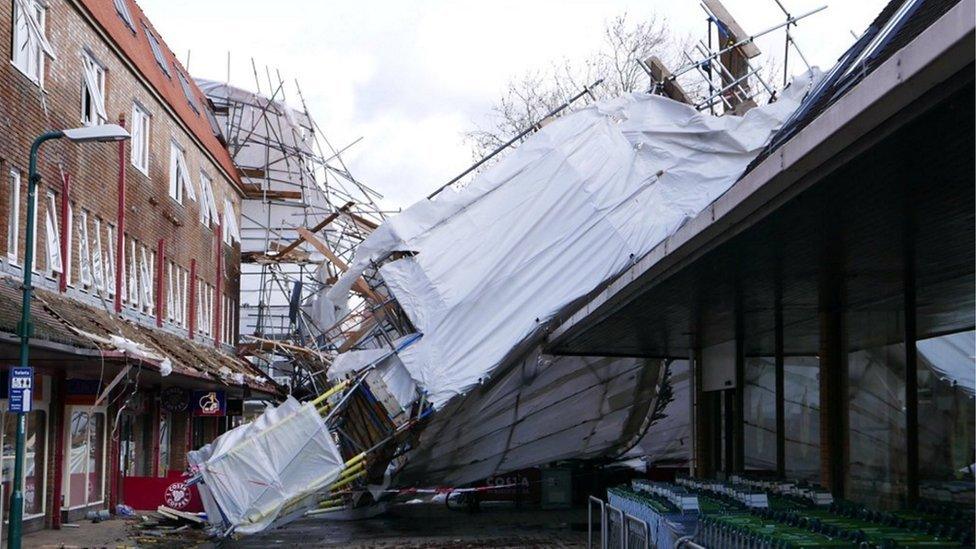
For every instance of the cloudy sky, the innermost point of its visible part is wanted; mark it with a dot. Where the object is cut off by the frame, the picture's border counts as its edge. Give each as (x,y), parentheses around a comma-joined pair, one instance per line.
(410,77)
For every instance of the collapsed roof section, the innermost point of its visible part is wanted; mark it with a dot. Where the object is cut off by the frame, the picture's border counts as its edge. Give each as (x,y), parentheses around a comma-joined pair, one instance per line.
(481,271)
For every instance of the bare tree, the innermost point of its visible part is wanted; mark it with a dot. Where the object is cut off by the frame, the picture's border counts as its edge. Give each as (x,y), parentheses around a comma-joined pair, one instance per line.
(531,96)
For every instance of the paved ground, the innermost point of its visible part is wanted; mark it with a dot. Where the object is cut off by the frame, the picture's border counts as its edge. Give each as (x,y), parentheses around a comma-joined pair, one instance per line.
(426,526)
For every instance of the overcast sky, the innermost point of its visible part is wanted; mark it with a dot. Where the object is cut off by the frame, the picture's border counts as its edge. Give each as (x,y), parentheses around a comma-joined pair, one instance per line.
(410,77)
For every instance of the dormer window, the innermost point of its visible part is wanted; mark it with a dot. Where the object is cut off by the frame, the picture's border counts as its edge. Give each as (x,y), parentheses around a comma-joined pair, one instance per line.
(122,7)
(157,50)
(188,92)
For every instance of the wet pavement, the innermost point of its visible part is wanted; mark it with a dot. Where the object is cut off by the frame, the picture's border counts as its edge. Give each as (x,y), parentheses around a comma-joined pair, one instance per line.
(425,525)
(434,526)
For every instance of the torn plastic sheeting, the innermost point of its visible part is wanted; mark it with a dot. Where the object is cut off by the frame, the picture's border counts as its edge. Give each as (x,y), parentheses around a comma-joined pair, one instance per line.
(572,207)
(396,377)
(258,471)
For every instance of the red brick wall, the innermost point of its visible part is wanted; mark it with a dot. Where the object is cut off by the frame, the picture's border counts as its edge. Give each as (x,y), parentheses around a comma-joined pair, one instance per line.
(150,213)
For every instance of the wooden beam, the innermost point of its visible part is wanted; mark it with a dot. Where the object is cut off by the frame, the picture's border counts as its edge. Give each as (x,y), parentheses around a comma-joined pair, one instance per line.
(353,339)
(328,219)
(360,285)
(660,73)
(749,49)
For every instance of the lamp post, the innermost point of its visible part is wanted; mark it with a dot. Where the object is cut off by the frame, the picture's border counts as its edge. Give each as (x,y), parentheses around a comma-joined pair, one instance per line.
(103,133)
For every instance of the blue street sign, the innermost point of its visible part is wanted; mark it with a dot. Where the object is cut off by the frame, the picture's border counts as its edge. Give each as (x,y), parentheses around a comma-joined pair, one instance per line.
(20,389)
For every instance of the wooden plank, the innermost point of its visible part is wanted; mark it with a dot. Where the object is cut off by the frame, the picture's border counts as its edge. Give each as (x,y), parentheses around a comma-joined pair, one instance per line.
(328,219)
(360,285)
(660,73)
(749,50)
(353,339)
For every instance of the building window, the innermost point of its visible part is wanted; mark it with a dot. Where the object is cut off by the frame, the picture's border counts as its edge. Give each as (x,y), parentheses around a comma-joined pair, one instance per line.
(92,91)
(70,225)
(123,10)
(35,462)
(85,481)
(208,204)
(98,259)
(53,230)
(133,278)
(231,232)
(84,252)
(13,216)
(146,280)
(179,175)
(157,50)
(188,92)
(205,297)
(140,137)
(29,43)
(110,245)
(135,444)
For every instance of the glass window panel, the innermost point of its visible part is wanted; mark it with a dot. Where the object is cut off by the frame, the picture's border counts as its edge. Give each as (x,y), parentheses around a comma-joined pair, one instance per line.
(78,458)
(801,413)
(96,458)
(759,412)
(34,449)
(164,434)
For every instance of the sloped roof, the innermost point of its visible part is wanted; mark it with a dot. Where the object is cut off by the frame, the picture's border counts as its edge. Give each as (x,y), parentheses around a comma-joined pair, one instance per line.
(53,317)
(898,23)
(135,45)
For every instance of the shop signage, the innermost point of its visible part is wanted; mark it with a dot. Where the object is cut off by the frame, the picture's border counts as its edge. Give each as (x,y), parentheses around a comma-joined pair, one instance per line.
(19,389)
(209,403)
(177,496)
(175,399)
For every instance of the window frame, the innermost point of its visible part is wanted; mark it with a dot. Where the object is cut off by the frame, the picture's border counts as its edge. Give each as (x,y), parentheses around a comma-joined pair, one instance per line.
(38,59)
(141,131)
(157,50)
(66,482)
(92,115)
(13,216)
(36,406)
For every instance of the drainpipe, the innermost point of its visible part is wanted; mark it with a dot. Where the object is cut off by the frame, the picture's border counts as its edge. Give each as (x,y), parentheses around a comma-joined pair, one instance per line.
(120,226)
(65,265)
(160,265)
(217,289)
(193,298)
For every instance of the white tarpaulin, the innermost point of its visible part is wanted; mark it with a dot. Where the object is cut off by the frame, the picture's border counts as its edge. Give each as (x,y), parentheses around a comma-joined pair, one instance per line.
(272,466)
(572,207)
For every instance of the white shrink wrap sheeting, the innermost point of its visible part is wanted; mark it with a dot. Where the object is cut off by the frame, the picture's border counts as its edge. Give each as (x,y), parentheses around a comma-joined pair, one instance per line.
(573,206)
(268,468)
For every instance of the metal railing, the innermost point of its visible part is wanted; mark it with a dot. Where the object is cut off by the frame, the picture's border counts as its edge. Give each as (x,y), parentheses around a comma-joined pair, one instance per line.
(617,529)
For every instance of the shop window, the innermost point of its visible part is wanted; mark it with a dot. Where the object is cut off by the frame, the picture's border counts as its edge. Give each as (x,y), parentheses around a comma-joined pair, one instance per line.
(85,479)
(759,414)
(946,414)
(135,445)
(165,423)
(35,462)
(877,468)
(801,412)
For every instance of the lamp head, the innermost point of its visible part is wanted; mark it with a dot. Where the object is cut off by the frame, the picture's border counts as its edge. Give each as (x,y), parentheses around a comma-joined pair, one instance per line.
(103,133)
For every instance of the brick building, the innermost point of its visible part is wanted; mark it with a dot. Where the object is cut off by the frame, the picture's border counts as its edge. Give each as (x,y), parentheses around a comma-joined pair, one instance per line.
(136,255)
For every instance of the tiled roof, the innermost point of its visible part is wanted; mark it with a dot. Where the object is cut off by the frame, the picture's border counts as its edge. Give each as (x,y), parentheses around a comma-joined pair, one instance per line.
(900,22)
(135,45)
(53,316)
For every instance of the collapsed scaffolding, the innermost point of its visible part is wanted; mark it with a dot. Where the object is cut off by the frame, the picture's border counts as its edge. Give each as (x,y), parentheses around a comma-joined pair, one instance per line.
(379,323)
(303,215)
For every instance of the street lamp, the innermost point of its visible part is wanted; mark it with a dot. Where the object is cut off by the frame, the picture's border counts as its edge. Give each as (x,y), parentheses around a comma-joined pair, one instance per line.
(102,133)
